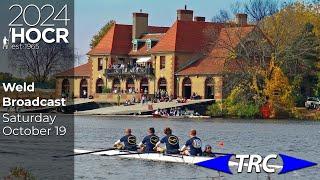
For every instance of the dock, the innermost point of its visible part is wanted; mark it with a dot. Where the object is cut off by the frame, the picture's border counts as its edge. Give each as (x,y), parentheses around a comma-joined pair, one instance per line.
(142,108)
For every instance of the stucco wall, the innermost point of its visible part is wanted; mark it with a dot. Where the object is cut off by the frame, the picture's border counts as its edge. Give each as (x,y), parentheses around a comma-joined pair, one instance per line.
(198,86)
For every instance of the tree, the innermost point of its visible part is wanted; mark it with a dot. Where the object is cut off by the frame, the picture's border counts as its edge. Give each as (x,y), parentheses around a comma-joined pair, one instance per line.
(97,37)
(222,16)
(279,91)
(295,34)
(300,56)
(256,10)
(259,9)
(42,61)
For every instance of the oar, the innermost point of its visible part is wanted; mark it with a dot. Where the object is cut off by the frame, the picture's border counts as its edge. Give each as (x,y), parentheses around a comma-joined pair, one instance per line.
(129,153)
(77,154)
(218,153)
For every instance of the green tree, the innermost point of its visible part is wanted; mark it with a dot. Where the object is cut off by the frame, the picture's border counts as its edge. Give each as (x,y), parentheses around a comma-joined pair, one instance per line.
(300,56)
(97,37)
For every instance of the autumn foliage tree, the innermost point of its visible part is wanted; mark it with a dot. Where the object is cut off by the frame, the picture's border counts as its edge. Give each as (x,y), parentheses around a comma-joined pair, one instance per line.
(279,91)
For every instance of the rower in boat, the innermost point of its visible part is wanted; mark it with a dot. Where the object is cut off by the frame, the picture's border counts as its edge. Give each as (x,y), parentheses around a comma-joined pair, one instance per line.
(208,151)
(129,141)
(193,145)
(148,143)
(171,141)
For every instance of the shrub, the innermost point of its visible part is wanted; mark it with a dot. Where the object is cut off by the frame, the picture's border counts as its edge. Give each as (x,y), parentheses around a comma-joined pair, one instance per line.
(20,173)
(106,90)
(247,110)
(236,105)
(216,110)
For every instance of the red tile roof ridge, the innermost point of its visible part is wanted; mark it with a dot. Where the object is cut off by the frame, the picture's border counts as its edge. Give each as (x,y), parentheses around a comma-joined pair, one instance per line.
(81,70)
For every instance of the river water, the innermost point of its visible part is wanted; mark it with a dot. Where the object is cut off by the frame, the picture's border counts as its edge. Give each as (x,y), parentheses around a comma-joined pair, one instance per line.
(294,138)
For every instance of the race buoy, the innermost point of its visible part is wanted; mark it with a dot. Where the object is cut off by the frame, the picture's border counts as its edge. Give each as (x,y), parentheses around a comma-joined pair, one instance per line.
(221,144)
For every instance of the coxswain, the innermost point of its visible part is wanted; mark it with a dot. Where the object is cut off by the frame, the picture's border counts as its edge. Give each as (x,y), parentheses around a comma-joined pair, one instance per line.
(171,141)
(208,151)
(193,146)
(148,143)
(129,141)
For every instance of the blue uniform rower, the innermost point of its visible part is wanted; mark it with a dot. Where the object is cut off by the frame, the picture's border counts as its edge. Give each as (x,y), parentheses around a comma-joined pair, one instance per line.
(149,142)
(129,141)
(171,141)
(193,146)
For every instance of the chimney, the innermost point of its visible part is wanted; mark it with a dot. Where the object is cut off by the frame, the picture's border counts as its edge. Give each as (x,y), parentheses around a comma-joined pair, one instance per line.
(199,18)
(241,19)
(140,24)
(184,14)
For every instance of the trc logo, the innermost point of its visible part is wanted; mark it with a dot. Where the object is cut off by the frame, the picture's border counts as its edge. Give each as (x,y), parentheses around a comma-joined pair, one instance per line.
(256,161)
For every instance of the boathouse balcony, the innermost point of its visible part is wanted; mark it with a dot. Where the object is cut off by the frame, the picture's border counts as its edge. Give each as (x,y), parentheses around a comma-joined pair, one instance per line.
(118,71)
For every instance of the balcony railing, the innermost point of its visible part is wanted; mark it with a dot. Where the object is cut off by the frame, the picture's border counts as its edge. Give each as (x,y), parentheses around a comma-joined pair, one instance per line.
(136,71)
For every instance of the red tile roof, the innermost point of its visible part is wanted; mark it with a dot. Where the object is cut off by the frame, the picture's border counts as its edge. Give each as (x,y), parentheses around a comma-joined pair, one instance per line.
(215,61)
(82,70)
(118,40)
(157,29)
(185,36)
(153,36)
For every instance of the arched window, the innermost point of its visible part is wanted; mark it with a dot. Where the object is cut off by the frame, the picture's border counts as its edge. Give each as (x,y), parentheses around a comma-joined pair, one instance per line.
(209,88)
(65,88)
(83,88)
(144,85)
(116,84)
(130,84)
(99,85)
(162,84)
(186,85)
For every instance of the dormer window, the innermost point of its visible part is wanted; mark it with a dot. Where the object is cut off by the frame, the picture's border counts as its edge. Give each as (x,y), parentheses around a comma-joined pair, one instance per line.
(135,45)
(149,44)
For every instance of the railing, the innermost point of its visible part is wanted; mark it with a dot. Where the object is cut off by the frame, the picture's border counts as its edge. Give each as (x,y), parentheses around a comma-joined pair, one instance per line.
(138,71)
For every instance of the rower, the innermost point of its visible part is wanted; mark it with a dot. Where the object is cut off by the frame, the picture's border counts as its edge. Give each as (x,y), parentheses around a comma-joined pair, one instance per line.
(208,151)
(148,143)
(193,145)
(171,141)
(128,140)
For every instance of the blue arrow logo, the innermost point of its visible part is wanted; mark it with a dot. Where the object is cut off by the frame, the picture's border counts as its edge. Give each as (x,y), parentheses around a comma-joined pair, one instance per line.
(292,164)
(219,164)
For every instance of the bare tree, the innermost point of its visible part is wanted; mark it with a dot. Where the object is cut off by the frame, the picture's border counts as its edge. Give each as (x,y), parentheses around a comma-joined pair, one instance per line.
(245,53)
(256,10)
(222,16)
(43,61)
(259,9)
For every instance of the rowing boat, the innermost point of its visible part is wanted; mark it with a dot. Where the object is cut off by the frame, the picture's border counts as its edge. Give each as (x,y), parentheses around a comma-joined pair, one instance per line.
(176,158)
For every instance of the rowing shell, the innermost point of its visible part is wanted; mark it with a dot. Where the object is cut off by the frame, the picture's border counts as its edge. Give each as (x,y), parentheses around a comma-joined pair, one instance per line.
(154,156)
(163,157)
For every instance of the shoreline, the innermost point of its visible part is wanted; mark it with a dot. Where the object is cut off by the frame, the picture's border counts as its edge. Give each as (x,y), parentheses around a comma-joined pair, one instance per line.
(199,118)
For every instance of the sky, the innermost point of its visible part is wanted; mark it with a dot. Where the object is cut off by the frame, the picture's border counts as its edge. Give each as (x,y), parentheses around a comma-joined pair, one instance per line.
(91,15)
